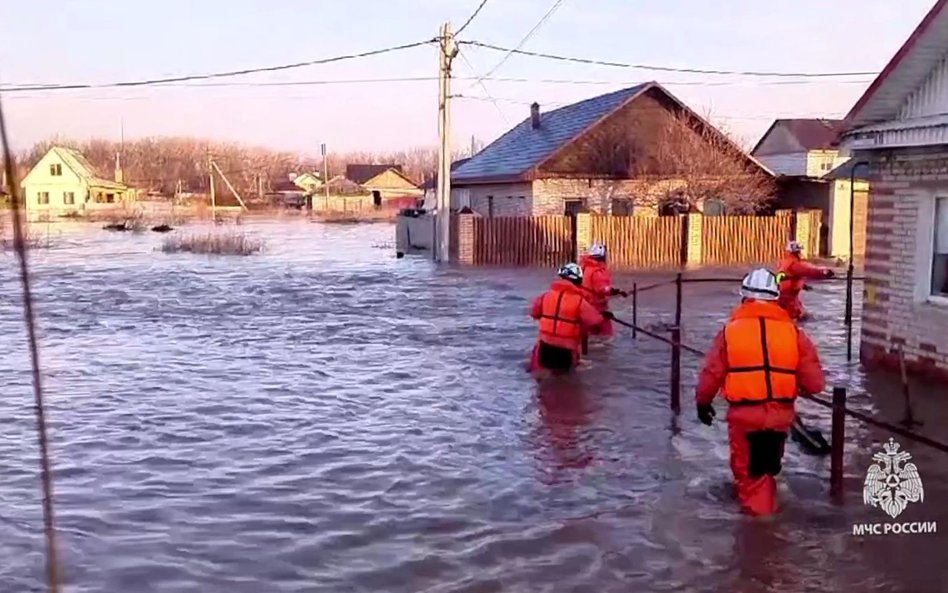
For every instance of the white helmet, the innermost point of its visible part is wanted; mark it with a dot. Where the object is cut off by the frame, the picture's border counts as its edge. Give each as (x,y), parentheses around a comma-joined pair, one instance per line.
(794,247)
(571,272)
(760,285)
(597,250)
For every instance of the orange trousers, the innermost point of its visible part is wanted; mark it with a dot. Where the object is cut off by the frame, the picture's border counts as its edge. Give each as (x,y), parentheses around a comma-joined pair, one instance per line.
(757,494)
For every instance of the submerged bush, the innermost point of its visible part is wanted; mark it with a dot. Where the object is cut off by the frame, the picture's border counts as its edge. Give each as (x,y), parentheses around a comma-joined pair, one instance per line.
(218,243)
(31,239)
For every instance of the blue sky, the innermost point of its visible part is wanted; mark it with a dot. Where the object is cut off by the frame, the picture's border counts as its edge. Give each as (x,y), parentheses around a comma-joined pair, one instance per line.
(98,41)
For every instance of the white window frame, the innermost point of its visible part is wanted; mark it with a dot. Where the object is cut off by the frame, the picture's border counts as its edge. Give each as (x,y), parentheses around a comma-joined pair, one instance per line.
(929,216)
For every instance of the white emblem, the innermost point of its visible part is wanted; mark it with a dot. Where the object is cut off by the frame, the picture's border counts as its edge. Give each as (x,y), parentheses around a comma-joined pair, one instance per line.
(892,485)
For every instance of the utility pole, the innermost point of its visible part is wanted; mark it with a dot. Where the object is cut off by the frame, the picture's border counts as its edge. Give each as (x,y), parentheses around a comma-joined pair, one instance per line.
(210,181)
(448,50)
(473,145)
(322,149)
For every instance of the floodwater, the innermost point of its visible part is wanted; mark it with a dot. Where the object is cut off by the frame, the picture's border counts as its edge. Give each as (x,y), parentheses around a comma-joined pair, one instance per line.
(326,417)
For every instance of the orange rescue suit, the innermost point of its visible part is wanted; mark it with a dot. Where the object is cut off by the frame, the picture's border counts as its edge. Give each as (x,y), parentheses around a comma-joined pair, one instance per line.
(792,274)
(597,283)
(759,362)
(564,315)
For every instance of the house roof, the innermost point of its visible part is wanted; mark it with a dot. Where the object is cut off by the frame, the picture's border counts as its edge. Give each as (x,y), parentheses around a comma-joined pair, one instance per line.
(77,161)
(811,134)
(362,173)
(845,171)
(432,182)
(285,185)
(516,155)
(907,69)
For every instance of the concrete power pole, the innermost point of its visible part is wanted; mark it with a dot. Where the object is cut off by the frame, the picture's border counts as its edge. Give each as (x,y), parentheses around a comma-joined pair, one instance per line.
(210,181)
(322,149)
(448,50)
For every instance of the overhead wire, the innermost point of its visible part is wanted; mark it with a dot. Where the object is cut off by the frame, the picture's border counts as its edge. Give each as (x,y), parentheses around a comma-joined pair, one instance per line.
(39,406)
(471,18)
(189,77)
(526,37)
(519,51)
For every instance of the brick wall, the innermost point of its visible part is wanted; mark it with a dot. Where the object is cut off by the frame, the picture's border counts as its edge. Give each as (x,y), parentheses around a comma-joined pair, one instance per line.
(896,313)
(549,195)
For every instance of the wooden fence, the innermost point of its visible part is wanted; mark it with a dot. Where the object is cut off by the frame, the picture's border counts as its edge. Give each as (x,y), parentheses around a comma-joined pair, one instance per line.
(738,240)
(640,241)
(519,241)
(633,241)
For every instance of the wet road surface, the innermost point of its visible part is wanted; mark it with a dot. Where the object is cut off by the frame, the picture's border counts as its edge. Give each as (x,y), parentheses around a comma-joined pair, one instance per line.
(324,417)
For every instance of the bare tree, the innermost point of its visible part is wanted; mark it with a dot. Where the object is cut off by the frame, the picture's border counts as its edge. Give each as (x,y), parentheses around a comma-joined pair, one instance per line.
(705,166)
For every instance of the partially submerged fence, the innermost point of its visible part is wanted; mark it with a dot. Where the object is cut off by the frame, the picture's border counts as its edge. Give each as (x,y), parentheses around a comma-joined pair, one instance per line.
(837,404)
(633,241)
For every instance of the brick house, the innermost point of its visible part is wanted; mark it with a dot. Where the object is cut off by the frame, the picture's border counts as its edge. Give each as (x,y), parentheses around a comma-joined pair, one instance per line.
(577,158)
(804,155)
(899,128)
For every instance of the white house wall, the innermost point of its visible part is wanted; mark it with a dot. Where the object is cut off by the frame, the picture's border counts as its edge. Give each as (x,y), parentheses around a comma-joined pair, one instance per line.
(794,163)
(509,199)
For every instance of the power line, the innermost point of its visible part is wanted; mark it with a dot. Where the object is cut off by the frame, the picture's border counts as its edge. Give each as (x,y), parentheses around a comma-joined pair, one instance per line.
(471,18)
(484,86)
(134,83)
(517,50)
(526,37)
(305,83)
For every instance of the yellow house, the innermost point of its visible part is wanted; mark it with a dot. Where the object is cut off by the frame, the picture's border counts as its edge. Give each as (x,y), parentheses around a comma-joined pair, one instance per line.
(63,182)
(383,182)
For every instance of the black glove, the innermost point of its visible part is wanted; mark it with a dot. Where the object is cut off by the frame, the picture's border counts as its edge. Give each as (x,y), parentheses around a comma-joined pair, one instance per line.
(608,315)
(829,274)
(617,292)
(706,413)
(807,287)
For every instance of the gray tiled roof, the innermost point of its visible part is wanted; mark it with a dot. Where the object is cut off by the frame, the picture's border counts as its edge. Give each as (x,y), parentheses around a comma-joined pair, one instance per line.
(523,148)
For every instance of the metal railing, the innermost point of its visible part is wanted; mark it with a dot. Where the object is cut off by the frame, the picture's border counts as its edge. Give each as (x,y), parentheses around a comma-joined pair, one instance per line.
(839,394)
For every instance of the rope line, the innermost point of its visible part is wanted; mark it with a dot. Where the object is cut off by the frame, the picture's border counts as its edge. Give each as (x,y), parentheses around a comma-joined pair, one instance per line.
(827,404)
(19,244)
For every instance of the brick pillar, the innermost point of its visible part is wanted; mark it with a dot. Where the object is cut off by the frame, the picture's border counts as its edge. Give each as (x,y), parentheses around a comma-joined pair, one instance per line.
(803,230)
(695,256)
(466,246)
(583,224)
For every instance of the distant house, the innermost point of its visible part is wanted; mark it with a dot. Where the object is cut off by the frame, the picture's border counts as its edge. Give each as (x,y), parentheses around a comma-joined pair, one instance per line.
(565,161)
(430,187)
(63,182)
(802,153)
(899,128)
(383,182)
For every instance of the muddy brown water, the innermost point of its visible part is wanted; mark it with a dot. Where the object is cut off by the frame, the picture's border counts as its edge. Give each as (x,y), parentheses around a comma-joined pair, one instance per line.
(326,417)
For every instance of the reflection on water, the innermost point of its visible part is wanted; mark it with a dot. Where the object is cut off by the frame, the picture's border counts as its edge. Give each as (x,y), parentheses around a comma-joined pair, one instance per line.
(325,417)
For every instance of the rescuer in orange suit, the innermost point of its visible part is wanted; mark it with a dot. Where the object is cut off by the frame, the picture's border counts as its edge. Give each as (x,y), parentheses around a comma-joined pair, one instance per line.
(760,361)
(597,280)
(564,315)
(792,275)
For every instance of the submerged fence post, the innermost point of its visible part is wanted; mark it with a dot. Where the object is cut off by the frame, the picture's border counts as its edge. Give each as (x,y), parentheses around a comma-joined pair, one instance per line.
(676,351)
(635,309)
(838,439)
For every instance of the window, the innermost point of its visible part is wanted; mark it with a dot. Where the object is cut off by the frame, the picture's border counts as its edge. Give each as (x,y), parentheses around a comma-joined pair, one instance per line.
(42,198)
(622,207)
(826,166)
(713,208)
(574,206)
(939,285)
(69,198)
(109,198)
(490,206)
(56,169)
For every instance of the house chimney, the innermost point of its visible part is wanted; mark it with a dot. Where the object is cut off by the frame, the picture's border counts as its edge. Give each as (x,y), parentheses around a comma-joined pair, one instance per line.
(535,116)
(119,175)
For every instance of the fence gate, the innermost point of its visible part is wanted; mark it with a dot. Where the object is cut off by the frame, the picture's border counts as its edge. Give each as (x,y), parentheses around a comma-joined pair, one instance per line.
(640,241)
(741,240)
